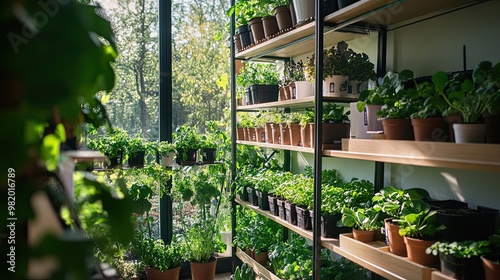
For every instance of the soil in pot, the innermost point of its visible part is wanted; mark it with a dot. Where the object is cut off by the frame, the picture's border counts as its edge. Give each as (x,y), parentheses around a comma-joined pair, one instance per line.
(398,129)
(491,264)
(395,241)
(364,236)
(467,224)
(416,251)
(430,129)
(303,218)
(291,213)
(462,268)
(262,200)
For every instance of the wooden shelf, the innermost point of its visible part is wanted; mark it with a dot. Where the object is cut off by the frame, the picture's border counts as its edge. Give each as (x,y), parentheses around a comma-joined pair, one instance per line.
(481,157)
(277,146)
(84,155)
(376,257)
(307,102)
(260,270)
(365,13)
(328,243)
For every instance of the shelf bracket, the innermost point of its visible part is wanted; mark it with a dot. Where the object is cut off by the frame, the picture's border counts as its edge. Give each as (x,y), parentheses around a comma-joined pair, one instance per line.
(268,158)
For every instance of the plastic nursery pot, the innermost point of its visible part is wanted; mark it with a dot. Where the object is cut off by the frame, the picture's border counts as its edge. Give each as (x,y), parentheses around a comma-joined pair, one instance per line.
(252,196)
(136,160)
(462,268)
(303,218)
(262,200)
(291,213)
(273,205)
(283,17)
(281,208)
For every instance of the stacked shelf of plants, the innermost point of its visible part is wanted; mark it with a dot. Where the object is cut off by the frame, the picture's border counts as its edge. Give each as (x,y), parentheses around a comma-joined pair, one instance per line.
(400,94)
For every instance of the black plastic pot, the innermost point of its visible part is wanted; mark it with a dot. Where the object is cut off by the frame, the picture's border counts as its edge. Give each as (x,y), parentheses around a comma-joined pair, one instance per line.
(264,93)
(262,200)
(329,228)
(273,205)
(252,196)
(116,161)
(209,155)
(244,194)
(344,3)
(244,35)
(303,218)
(187,156)
(330,6)
(462,268)
(137,159)
(291,213)
(281,209)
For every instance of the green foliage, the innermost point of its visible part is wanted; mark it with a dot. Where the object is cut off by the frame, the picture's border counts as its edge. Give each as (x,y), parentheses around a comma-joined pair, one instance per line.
(294,71)
(135,145)
(418,221)
(393,201)
(353,194)
(472,98)
(187,137)
(200,242)
(244,272)
(156,254)
(263,233)
(333,113)
(464,249)
(245,10)
(361,219)
(360,68)
(164,148)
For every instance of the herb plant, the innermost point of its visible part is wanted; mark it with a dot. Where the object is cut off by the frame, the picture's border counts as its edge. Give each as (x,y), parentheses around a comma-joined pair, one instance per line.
(464,249)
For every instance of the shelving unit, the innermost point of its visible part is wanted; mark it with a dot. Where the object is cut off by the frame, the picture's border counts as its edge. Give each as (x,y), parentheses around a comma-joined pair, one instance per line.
(257,267)
(360,18)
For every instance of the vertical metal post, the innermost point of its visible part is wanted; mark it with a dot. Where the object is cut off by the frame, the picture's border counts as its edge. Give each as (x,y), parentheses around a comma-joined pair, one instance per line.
(233,136)
(318,155)
(379,176)
(165,118)
(382,52)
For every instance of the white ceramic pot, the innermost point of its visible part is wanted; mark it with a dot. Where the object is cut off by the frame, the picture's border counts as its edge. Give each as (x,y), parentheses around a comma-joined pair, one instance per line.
(335,85)
(303,89)
(358,125)
(167,160)
(356,87)
(374,125)
(225,237)
(469,133)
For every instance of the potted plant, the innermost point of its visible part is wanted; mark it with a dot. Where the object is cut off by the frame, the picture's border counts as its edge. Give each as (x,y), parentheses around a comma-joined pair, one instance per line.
(263,233)
(136,150)
(210,141)
(307,118)
(187,141)
(293,124)
(472,99)
(300,86)
(113,145)
(283,15)
(391,202)
(359,71)
(491,262)
(162,261)
(461,260)
(335,69)
(167,153)
(418,227)
(364,222)
(335,126)
(244,272)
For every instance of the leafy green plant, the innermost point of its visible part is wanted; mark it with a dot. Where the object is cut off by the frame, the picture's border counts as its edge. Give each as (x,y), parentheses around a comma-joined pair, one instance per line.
(419,221)
(361,219)
(135,145)
(393,201)
(360,68)
(164,148)
(263,233)
(334,113)
(464,249)
(244,272)
(472,98)
(156,254)
(111,144)
(295,71)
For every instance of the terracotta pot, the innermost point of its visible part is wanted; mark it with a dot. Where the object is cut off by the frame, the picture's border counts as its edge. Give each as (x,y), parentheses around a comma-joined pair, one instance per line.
(156,274)
(295,139)
(270,26)
(269,130)
(246,134)
(203,271)
(240,134)
(364,236)
(275,133)
(261,257)
(260,134)
(283,17)
(430,129)
(491,264)
(305,135)
(395,241)
(252,135)
(332,135)
(237,42)
(416,251)
(398,129)
(284,138)
(257,29)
